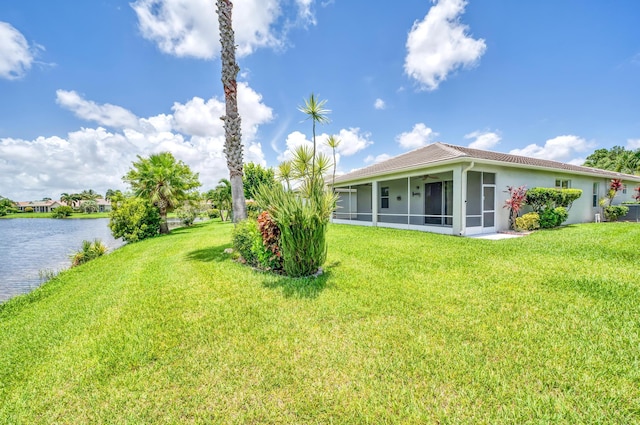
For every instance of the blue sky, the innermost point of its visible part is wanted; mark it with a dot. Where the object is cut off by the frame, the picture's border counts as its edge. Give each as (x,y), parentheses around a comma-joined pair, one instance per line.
(86,86)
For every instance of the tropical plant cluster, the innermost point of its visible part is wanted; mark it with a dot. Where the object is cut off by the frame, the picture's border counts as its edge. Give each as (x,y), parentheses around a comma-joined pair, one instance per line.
(291,233)
(62,211)
(89,251)
(7,206)
(550,206)
(613,212)
(134,219)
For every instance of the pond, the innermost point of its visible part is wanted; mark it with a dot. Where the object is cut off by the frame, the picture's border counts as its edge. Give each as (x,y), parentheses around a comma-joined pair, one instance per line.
(33,247)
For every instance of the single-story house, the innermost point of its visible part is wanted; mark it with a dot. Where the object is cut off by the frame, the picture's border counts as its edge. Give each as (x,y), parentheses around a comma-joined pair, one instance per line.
(48,206)
(39,206)
(457,190)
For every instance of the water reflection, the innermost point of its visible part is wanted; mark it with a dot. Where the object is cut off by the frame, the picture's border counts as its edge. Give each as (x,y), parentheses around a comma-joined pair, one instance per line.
(33,247)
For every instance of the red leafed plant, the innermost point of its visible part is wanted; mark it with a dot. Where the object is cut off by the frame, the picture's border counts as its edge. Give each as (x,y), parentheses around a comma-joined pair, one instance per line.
(517,199)
(270,238)
(637,196)
(614,187)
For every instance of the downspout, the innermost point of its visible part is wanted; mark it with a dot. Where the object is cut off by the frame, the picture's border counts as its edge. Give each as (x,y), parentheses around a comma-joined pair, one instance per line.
(463,226)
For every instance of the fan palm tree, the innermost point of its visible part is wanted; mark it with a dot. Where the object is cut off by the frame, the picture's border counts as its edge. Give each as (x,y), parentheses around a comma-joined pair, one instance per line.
(317,114)
(233,142)
(162,180)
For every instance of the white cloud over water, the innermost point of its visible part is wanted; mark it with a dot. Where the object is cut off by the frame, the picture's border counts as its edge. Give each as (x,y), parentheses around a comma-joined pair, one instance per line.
(97,158)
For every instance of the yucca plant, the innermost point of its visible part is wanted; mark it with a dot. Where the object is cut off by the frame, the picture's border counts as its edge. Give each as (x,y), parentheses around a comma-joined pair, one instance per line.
(303,224)
(90,251)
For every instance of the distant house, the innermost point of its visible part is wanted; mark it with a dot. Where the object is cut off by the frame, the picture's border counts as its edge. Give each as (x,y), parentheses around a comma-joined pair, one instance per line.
(457,190)
(103,204)
(39,206)
(49,206)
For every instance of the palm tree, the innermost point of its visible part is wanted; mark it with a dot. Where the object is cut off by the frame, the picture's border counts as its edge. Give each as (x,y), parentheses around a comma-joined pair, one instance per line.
(162,180)
(222,197)
(233,142)
(67,199)
(333,142)
(317,114)
(284,173)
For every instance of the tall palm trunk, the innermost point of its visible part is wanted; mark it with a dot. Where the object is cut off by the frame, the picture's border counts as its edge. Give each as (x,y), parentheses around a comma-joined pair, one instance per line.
(233,142)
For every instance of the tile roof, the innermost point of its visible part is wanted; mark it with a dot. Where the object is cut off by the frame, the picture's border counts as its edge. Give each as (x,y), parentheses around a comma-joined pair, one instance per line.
(436,153)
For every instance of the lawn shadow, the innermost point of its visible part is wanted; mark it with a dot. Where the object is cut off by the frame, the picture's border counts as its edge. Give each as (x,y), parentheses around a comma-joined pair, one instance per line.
(300,287)
(207,255)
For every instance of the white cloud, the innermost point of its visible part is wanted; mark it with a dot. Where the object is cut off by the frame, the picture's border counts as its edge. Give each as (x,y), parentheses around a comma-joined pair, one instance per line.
(439,44)
(351,142)
(97,158)
(483,139)
(189,28)
(379,104)
(633,144)
(106,114)
(561,148)
(419,136)
(16,56)
(376,159)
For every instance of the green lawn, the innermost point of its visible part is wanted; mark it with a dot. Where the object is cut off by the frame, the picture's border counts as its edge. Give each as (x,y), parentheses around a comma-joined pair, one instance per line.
(404,327)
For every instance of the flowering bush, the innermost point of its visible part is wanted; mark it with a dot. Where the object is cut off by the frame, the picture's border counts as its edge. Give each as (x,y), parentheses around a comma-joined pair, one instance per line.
(517,199)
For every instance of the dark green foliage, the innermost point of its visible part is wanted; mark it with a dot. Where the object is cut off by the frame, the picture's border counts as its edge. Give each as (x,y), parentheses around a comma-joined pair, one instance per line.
(187,214)
(566,197)
(254,176)
(245,235)
(62,212)
(616,159)
(614,212)
(134,219)
(90,251)
(529,221)
(553,217)
(541,198)
(7,206)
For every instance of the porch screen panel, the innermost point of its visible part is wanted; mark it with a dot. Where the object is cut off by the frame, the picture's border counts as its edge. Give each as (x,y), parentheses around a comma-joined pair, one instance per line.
(474,199)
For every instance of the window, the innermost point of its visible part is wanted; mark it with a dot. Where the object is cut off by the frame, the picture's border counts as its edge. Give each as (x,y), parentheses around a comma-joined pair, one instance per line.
(563,184)
(624,188)
(596,189)
(384,197)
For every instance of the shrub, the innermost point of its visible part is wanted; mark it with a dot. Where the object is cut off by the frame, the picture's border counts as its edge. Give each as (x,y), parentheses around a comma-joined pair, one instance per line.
(134,219)
(270,256)
(62,212)
(542,198)
(614,212)
(187,214)
(213,213)
(245,235)
(553,217)
(517,199)
(303,225)
(529,221)
(90,250)
(89,207)
(28,209)
(253,210)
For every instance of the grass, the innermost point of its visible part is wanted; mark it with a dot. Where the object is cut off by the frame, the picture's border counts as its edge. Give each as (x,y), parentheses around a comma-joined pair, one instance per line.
(48,215)
(404,327)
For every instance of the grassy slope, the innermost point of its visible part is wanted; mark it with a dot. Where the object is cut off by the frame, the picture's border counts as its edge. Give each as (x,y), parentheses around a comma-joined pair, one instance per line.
(403,327)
